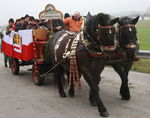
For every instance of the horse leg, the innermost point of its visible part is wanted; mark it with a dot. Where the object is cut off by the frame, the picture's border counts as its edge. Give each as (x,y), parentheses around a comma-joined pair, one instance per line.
(92,98)
(57,77)
(71,91)
(95,90)
(127,67)
(124,89)
(92,93)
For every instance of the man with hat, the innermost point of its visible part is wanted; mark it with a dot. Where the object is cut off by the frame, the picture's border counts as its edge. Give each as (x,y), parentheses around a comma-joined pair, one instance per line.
(74,23)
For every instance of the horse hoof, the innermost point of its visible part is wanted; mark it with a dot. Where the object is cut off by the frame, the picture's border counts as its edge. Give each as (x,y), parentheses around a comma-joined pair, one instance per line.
(62,94)
(126,98)
(125,94)
(71,93)
(104,114)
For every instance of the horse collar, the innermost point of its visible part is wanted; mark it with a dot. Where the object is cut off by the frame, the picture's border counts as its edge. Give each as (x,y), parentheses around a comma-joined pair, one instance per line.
(97,52)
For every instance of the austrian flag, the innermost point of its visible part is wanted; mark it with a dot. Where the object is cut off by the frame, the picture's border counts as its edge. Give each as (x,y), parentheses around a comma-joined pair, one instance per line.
(18,44)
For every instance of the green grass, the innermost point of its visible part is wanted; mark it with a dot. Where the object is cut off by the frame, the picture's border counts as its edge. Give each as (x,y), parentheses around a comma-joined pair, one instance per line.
(143,34)
(142,66)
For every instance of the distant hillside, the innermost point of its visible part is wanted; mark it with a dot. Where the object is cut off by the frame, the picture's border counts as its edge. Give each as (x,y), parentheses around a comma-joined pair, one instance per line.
(143,14)
(128,13)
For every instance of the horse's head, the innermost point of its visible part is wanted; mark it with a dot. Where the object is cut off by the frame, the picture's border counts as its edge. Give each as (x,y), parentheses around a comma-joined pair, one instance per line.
(127,35)
(101,30)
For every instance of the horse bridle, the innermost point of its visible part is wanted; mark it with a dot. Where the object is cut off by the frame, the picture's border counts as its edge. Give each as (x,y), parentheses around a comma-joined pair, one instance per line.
(127,25)
(101,48)
(130,45)
(106,48)
(105,27)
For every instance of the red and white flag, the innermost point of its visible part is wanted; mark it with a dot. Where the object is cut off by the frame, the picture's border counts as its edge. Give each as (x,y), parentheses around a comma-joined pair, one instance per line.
(18,44)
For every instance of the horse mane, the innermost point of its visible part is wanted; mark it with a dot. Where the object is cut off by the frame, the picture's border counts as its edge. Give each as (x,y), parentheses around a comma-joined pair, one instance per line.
(92,24)
(124,20)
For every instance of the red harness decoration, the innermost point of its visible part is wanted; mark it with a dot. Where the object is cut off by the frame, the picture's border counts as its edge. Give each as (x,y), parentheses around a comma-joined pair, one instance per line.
(121,55)
(97,54)
(74,74)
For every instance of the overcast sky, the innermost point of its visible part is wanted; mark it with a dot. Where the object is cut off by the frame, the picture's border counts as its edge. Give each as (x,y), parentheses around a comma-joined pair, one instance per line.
(18,8)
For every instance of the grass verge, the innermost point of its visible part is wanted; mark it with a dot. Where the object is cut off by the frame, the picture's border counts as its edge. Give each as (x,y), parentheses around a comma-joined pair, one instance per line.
(142,66)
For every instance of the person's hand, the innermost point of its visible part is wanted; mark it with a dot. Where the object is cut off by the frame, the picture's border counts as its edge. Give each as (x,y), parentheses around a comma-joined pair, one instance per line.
(59,28)
(11,29)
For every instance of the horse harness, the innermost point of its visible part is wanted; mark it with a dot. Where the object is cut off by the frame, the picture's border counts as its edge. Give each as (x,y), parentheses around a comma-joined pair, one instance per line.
(70,53)
(86,41)
(74,74)
(99,50)
(130,45)
(122,51)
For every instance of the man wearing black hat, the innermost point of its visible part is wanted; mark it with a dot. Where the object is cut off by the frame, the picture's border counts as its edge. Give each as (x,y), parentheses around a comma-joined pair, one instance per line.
(11,26)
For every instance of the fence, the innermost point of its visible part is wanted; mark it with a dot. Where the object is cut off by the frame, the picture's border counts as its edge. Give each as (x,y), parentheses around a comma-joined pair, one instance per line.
(145,54)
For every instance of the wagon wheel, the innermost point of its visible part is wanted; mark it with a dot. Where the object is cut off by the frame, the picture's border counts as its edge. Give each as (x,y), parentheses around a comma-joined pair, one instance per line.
(37,80)
(15,66)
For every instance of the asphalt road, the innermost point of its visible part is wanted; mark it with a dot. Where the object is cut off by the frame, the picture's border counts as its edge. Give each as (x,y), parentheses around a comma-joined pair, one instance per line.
(20,98)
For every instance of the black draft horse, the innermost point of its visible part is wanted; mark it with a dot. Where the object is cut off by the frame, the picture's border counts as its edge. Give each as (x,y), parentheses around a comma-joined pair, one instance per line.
(128,47)
(100,36)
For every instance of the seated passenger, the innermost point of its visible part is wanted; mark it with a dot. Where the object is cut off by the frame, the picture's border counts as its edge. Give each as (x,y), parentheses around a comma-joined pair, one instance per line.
(74,23)
(55,25)
(66,15)
(17,21)
(11,26)
(19,25)
(26,21)
(32,23)
(42,24)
